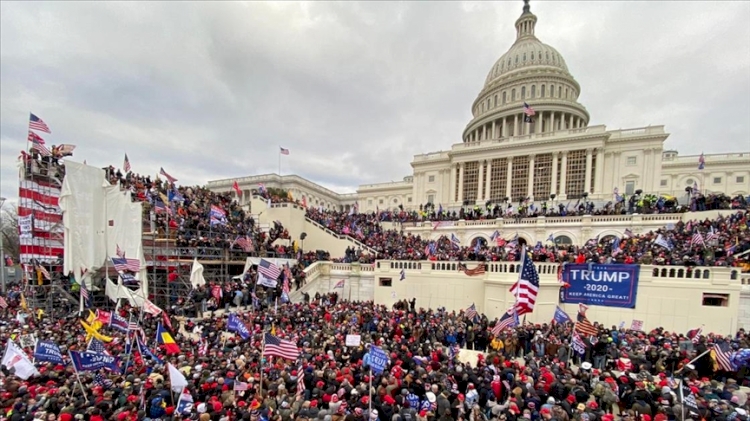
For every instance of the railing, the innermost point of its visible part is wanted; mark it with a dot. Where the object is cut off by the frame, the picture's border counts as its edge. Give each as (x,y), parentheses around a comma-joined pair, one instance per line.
(548,271)
(548,221)
(342,236)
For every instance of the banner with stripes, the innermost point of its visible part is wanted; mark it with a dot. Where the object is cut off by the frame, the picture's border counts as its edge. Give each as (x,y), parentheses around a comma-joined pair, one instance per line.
(38,200)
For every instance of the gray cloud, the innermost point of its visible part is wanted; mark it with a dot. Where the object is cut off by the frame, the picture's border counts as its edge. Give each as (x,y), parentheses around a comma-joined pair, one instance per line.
(211,90)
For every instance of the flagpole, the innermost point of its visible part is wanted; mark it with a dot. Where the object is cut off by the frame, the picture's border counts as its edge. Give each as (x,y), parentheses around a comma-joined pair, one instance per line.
(130,351)
(260,366)
(279,161)
(78,377)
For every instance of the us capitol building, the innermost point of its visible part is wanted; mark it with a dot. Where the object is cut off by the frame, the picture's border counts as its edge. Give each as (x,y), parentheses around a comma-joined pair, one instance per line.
(507,154)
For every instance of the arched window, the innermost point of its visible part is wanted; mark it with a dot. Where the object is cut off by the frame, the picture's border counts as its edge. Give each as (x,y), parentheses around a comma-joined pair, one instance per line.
(533,91)
(547,55)
(524,56)
(559,91)
(516,59)
(532,56)
(504,99)
(523,92)
(551,90)
(513,94)
(563,240)
(566,93)
(481,240)
(495,105)
(542,93)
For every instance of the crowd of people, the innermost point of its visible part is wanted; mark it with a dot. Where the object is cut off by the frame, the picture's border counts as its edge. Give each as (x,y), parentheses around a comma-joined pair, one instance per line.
(527,372)
(710,242)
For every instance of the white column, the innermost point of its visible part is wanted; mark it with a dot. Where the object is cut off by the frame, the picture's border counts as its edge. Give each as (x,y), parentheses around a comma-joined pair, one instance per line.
(494,134)
(515,125)
(504,128)
(616,172)
(461,183)
(530,185)
(553,185)
(647,173)
(552,122)
(484,132)
(480,181)
(539,123)
(587,181)
(570,125)
(563,175)
(509,177)
(452,186)
(599,171)
(488,181)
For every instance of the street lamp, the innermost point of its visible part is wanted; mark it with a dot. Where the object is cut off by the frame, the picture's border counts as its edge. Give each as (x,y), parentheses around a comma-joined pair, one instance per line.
(2,250)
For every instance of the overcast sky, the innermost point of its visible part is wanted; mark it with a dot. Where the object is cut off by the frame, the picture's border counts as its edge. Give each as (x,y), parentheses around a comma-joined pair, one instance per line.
(210,90)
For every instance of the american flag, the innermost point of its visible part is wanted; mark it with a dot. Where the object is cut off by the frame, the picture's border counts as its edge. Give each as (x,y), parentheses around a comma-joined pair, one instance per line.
(712,235)
(722,355)
(697,239)
(268,269)
(245,244)
(527,286)
(275,347)
(102,380)
(126,265)
(477,271)
(695,335)
(701,162)
(3,303)
(339,284)
(283,151)
(583,326)
(36,123)
(85,295)
(167,176)
(44,271)
(95,345)
(119,252)
(507,321)
(126,164)
(528,110)
(300,381)
(240,386)
(160,207)
(471,312)
(37,143)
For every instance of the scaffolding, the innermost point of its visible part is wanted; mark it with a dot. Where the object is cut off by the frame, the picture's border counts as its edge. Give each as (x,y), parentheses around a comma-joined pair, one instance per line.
(41,241)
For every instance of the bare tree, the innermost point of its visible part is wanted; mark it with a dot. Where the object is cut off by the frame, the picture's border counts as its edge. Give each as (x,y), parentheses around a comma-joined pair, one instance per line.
(11,242)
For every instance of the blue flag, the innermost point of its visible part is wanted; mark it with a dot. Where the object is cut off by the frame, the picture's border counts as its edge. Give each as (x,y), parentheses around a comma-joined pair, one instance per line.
(145,352)
(119,323)
(561,316)
(234,324)
(92,361)
(48,351)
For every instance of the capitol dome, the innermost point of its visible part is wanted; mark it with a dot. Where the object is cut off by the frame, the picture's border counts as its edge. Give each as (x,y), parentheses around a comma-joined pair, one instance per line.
(530,73)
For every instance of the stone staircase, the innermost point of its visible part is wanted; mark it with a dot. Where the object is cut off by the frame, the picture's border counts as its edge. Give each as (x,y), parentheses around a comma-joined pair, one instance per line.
(352,240)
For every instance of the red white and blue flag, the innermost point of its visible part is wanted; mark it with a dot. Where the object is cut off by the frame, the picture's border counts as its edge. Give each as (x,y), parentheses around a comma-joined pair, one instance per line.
(36,123)
(701,162)
(167,176)
(283,151)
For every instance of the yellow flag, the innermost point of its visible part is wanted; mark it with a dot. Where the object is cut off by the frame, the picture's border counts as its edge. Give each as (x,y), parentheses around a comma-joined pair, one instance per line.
(39,279)
(164,198)
(24,304)
(273,329)
(39,313)
(295,246)
(289,195)
(91,332)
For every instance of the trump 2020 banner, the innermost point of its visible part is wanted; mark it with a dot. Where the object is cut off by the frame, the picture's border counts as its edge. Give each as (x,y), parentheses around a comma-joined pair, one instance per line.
(601,285)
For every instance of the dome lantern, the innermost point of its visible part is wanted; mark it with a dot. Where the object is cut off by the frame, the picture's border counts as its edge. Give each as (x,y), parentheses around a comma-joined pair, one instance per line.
(525,24)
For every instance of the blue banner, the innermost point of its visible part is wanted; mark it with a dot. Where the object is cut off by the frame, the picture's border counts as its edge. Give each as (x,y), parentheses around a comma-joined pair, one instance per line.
(600,285)
(378,359)
(92,361)
(234,324)
(48,351)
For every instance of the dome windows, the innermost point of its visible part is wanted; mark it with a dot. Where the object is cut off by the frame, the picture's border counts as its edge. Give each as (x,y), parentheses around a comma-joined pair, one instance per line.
(542,93)
(513,94)
(533,90)
(523,92)
(532,56)
(516,59)
(552,90)
(504,97)
(524,56)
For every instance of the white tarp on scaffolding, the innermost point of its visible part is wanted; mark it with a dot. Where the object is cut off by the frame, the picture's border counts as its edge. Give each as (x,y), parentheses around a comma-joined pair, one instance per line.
(82,202)
(98,218)
(253,261)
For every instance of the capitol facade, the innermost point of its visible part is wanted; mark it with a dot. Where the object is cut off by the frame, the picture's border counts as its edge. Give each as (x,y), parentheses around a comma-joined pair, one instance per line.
(530,138)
